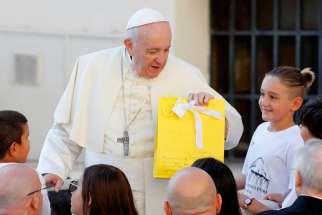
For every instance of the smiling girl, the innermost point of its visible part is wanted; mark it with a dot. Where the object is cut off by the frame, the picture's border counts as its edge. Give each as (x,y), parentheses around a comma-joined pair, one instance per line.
(268,167)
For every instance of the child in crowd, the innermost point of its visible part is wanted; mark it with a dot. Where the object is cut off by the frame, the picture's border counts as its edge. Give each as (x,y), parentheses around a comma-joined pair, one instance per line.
(14,144)
(309,118)
(268,166)
(102,189)
(14,137)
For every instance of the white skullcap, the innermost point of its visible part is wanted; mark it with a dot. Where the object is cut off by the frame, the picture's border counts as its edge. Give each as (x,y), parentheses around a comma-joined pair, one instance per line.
(145,16)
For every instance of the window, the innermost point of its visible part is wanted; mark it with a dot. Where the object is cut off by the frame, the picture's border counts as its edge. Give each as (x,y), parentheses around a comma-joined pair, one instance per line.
(26,69)
(249,38)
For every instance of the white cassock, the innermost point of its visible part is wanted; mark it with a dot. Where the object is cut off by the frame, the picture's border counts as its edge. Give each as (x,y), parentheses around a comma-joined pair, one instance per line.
(90,115)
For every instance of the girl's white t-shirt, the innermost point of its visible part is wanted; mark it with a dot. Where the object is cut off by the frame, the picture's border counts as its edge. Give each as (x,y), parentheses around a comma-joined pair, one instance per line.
(268,166)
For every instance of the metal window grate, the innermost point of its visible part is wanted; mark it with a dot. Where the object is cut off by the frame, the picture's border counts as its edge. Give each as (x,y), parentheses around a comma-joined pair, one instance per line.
(250,37)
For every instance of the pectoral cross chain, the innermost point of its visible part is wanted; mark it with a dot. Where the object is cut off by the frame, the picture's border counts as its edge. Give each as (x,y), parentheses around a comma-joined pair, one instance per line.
(126,141)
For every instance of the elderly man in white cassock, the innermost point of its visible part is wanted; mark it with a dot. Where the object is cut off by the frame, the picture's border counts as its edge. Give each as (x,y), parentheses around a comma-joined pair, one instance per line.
(109,108)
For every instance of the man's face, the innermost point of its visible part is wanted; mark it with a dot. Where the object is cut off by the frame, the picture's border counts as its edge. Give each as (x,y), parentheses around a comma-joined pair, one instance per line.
(150,49)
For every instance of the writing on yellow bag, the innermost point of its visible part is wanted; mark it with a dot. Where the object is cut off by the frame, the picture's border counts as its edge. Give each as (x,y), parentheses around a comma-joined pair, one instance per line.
(186,132)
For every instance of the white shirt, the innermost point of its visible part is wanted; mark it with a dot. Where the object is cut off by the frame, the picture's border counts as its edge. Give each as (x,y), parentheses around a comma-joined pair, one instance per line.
(268,165)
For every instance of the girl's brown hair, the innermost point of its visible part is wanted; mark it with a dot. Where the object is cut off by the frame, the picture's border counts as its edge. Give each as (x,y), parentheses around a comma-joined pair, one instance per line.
(109,191)
(300,80)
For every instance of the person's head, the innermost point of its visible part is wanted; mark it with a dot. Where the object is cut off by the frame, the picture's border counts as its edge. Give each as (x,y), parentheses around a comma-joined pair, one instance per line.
(14,137)
(224,181)
(19,190)
(308,169)
(282,92)
(60,202)
(310,119)
(103,189)
(148,42)
(192,191)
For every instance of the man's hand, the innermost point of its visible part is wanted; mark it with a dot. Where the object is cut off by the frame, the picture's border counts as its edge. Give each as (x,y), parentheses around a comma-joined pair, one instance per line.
(201,98)
(54,180)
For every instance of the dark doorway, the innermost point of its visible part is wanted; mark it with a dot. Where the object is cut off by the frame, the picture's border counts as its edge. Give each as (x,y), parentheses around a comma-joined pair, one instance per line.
(249,38)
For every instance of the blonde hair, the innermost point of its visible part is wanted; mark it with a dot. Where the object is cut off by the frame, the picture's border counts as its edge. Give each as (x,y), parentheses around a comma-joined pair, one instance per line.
(309,76)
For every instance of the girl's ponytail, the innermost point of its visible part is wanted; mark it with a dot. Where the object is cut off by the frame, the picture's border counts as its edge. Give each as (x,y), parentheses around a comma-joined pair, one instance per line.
(308,76)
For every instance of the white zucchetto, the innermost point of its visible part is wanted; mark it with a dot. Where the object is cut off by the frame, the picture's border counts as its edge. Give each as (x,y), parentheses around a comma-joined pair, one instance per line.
(145,16)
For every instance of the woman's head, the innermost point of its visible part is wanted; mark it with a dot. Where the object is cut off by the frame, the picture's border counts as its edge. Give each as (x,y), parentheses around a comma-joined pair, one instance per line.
(310,119)
(103,189)
(224,181)
(282,92)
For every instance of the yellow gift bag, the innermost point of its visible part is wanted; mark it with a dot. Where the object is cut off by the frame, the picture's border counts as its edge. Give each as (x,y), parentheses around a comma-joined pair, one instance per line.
(186,132)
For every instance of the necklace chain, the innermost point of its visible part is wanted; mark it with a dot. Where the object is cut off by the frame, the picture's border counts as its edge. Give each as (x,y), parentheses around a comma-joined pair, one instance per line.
(126,123)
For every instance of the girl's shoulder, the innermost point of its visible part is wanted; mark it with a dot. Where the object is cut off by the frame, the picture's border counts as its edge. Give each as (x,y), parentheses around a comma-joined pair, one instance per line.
(293,132)
(262,127)
(260,132)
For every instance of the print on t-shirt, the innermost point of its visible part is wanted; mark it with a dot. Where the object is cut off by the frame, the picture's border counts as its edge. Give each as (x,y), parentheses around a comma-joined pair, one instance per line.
(257,179)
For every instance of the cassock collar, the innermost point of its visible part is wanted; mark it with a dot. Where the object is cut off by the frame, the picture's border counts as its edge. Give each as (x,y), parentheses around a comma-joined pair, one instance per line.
(127,62)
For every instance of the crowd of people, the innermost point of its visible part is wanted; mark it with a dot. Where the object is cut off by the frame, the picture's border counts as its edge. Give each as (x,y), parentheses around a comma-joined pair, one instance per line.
(109,110)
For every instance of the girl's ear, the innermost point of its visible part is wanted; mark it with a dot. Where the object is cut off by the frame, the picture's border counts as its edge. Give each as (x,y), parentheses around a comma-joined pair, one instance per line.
(297,103)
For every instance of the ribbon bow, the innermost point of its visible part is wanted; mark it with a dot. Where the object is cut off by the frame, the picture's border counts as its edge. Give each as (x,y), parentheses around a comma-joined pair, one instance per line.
(180,108)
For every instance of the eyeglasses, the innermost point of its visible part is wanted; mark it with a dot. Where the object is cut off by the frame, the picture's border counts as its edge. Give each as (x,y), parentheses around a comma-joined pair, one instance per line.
(73,186)
(43,188)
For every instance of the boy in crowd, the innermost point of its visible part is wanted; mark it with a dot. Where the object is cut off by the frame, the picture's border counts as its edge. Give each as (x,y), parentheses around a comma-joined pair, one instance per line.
(14,144)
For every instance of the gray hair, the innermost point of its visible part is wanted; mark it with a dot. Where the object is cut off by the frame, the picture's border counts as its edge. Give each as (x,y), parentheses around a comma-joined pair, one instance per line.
(191,190)
(132,33)
(309,163)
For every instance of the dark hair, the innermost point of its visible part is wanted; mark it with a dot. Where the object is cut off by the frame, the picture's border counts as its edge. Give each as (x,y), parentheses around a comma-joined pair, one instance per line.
(11,129)
(294,78)
(60,202)
(109,190)
(310,115)
(225,184)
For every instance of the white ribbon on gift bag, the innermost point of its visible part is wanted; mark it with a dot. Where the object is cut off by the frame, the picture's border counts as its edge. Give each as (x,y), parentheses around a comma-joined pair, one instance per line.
(180,108)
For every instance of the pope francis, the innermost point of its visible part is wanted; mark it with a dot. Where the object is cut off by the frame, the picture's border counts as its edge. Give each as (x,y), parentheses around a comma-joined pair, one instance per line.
(109,108)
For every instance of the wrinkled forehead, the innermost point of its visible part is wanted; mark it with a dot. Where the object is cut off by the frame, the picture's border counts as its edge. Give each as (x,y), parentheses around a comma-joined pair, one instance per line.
(155,33)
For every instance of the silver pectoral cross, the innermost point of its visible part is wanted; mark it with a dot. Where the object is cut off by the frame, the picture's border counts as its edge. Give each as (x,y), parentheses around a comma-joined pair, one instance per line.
(126,142)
